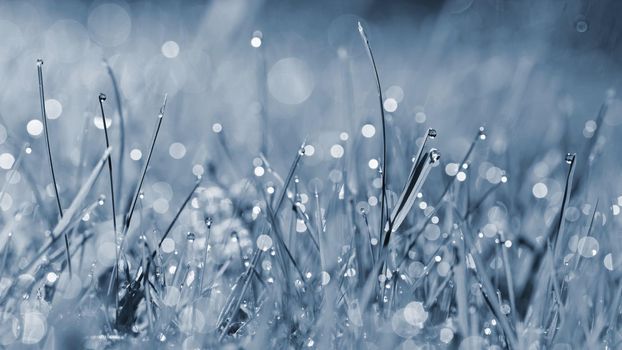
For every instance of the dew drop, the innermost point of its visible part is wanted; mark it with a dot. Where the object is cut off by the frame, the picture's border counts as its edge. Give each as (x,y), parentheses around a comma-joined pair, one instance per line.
(190,236)
(482,133)
(256,39)
(435,156)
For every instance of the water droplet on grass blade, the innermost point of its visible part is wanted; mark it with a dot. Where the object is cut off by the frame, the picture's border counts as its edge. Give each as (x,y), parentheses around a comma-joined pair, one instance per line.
(256,39)
(482,133)
(190,236)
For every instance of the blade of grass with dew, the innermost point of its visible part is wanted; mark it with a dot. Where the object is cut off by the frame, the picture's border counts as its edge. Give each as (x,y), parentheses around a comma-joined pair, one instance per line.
(101,99)
(117,96)
(426,163)
(132,206)
(178,213)
(49,151)
(385,163)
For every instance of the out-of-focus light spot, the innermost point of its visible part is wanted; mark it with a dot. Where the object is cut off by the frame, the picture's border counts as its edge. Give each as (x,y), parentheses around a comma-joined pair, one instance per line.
(13,39)
(373,163)
(264,242)
(106,253)
(373,201)
(451,169)
(177,150)
(446,335)
(256,39)
(34,127)
(461,176)
(508,244)
(335,176)
(494,175)
(395,92)
(539,190)
(53,108)
(325,278)
(34,327)
(590,126)
(259,171)
(6,161)
(99,124)
(168,245)
(368,130)
(415,314)
(136,154)
(608,262)
(344,136)
(582,26)
(300,226)
(217,127)
(51,277)
(588,246)
(109,24)
(309,150)
(443,268)
(160,205)
(170,49)
(3,134)
(290,81)
(336,151)
(255,42)
(7,202)
(390,105)
(490,230)
(615,209)
(66,41)
(197,170)
(377,182)
(420,117)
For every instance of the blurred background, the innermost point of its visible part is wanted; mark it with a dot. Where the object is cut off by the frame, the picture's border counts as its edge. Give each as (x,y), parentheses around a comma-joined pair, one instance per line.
(268,74)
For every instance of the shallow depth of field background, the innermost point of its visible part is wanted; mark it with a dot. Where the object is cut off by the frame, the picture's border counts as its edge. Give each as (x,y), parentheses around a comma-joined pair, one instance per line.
(534,73)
